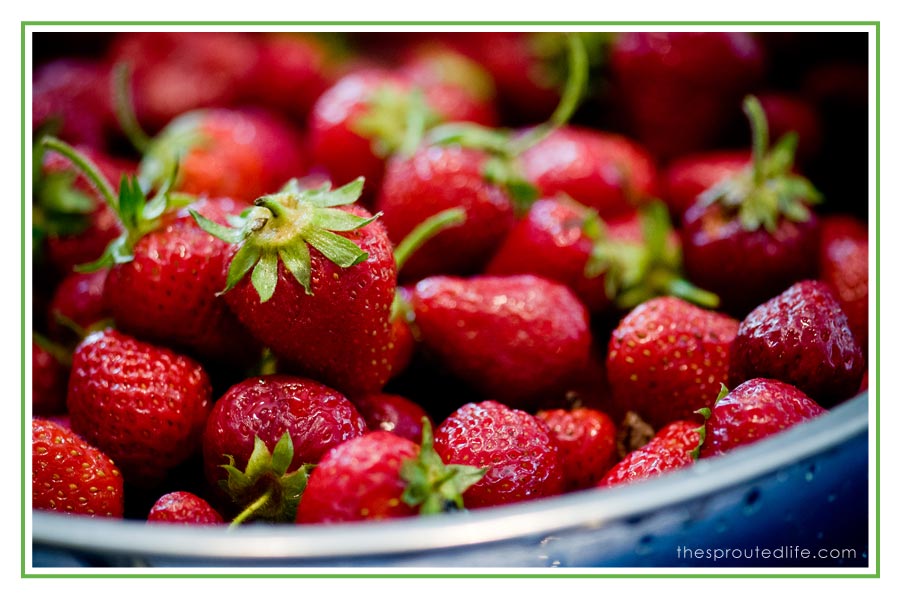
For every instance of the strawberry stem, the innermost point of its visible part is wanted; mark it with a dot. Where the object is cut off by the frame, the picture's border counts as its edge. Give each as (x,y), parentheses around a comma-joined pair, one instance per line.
(760,128)
(86,166)
(425,231)
(123,103)
(252,509)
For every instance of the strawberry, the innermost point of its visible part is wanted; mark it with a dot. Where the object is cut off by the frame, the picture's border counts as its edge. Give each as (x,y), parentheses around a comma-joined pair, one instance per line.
(788,113)
(383,476)
(752,235)
(603,171)
(844,267)
(176,71)
(299,418)
(395,414)
(72,476)
(587,444)
(78,300)
(185,508)
(143,405)
(686,177)
(674,447)
(322,284)
(517,449)
(615,264)
(801,337)
(518,338)
(49,377)
(755,409)
(668,358)
(695,75)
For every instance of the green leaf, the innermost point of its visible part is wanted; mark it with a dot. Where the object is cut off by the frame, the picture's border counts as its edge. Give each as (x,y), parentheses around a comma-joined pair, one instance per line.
(296,258)
(337,249)
(325,197)
(227,234)
(265,275)
(57,194)
(470,135)
(334,219)
(283,454)
(780,159)
(244,259)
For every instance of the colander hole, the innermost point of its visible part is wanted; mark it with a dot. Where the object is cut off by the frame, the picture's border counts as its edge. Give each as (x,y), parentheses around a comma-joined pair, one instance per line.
(811,472)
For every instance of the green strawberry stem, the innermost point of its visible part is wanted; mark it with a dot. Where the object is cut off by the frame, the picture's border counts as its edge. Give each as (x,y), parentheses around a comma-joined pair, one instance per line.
(252,509)
(85,165)
(759,127)
(123,102)
(432,485)
(62,356)
(425,231)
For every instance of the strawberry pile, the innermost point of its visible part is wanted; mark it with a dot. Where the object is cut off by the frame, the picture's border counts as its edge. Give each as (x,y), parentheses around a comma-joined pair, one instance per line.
(289,278)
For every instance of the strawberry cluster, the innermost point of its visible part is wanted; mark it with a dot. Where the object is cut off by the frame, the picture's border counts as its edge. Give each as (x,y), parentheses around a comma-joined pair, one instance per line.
(300,279)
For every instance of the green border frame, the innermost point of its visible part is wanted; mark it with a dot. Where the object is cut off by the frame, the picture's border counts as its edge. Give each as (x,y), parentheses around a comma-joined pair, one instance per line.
(555,574)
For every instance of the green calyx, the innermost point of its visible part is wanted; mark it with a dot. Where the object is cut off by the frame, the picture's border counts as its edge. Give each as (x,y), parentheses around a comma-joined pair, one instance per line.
(395,120)
(282,226)
(635,272)
(137,214)
(433,486)
(265,489)
(162,154)
(767,191)
(706,414)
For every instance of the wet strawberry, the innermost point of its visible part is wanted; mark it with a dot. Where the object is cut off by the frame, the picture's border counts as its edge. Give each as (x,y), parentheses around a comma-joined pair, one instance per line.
(844,267)
(395,414)
(674,447)
(587,444)
(689,176)
(185,508)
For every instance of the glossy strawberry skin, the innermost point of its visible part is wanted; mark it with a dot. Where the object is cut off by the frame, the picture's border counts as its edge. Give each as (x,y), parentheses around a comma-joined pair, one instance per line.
(755,409)
(70,475)
(699,76)
(745,268)
(340,333)
(521,455)
(670,449)
(689,176)
(49,380)
(316,416)
(78,298)
(359,480)
(800,337)
(184,508)
(392,413)
(143,405)
(435,179)
(587,444)
(604,171)
(668,358)
(168,292)
(844,267)
(517,338)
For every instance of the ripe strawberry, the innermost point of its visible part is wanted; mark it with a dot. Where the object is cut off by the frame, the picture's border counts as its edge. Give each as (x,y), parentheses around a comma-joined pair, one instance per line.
(844,267)
(392,413)
(520,454)
(752,235)
(800,337)
(788,113)
(383,476)
(177,72)
(78,300)
(320,300)
(299,418)
(668,358)
(755,409)
(49,378)
(689,176)
(143,405)
(517,338)
(587,444)
(697,76)
(185,508)
(603,171)
(615,264)
(69,475)
(675,446)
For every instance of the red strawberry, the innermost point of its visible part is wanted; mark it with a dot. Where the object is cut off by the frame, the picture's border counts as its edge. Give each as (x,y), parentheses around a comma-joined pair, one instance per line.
(800,337)
(292,71)
(299,418)
(844,267)
(49,378)
(689,176)
(518,338)
(587,444)
(752,235)
(392,413)
(697,76)
(69,475)
(788,113)
(755,409)
(622,262)
(320,300)
(674,447)
(185,508)
(603,171)
(176,71)
(78,300)
(668,358)
(143,405)
(518,450)
(383,476)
